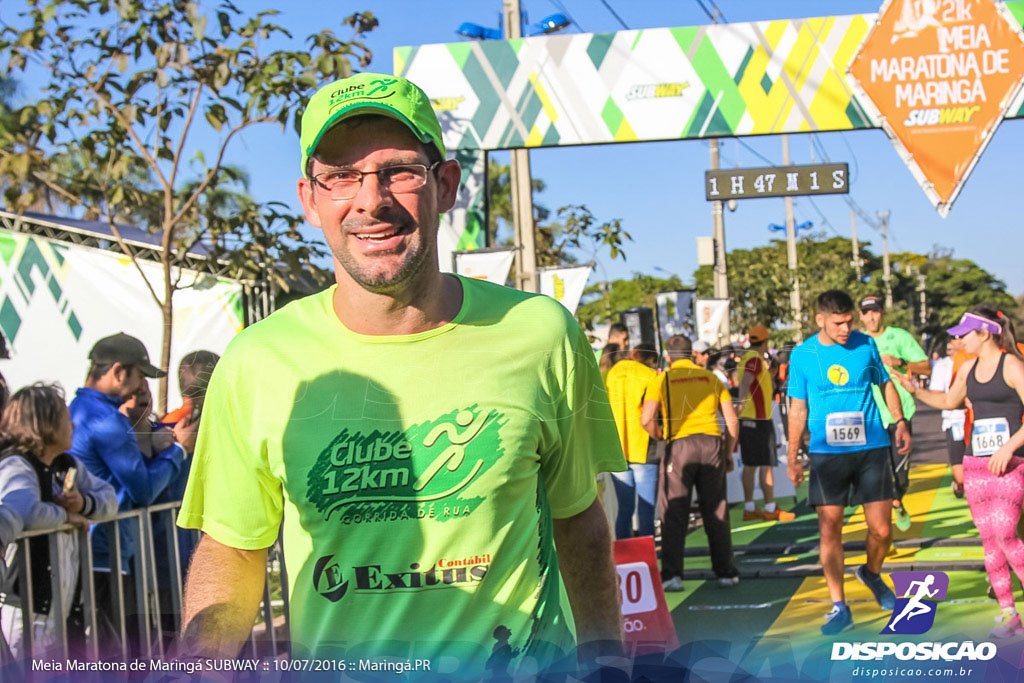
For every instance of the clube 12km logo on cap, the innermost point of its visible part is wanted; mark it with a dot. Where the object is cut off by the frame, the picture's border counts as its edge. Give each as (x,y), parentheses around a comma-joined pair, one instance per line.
(919,595)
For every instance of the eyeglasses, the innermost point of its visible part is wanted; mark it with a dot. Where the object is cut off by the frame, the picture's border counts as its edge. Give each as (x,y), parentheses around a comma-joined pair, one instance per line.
(398,179)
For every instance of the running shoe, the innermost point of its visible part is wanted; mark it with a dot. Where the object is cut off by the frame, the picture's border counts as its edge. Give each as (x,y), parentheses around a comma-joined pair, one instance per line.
(1009,625)
(839,619)
(958,489)
(754,515)
(902,517)
(673,585)
(780,515)
(883,594)
(728,581)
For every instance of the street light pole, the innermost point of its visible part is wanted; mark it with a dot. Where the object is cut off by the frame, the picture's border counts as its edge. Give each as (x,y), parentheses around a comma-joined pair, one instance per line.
(521,184)
(857,263)
(721,275)
(794,295)
(883,217)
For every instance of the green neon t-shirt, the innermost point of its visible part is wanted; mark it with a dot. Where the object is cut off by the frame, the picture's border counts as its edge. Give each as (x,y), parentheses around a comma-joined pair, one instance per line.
(899,343)
(417,475)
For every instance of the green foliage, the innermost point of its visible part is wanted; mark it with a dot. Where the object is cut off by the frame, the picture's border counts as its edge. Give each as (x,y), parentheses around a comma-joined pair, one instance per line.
(574,228)
(115,136)
(760,284)
(601,302)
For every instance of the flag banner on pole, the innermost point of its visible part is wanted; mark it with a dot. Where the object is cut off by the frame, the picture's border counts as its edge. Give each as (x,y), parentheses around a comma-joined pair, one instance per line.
(710,314)
(565,285)
(490,265)
(675,313)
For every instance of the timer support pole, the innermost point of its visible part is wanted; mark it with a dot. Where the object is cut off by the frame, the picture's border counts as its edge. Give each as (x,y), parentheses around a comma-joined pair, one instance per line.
(794,296)
(721,278)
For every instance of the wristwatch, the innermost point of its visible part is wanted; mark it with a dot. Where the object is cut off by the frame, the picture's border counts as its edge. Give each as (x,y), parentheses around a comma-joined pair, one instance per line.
(902,419)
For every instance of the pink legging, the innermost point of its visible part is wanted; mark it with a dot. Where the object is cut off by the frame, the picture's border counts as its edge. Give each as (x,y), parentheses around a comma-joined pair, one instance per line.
(995,504)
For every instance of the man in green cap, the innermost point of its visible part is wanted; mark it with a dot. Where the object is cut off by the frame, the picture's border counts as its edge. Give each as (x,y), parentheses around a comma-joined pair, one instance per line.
(430,441)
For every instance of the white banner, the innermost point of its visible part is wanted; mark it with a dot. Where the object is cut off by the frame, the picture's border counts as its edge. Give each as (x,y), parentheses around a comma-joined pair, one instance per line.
(58,299)
(565,285)
(675,313)
(492,266)
(710,314)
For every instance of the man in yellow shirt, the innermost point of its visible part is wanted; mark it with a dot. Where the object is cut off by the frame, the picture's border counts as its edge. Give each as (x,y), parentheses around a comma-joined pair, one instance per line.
(690,399)
(636,488)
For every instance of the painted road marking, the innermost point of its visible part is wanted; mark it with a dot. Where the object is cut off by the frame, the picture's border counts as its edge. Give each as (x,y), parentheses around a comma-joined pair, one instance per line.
(698,608)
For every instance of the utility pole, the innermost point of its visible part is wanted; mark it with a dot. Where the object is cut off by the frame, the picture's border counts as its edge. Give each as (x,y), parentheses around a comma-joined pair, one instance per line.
(883,217)
(922,291)
(519,179)
(856,263)
(721,279)
(794,295)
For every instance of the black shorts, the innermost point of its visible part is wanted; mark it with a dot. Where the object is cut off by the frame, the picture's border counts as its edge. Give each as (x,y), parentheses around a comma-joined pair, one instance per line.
(850,479)
(955,448)
(757,443)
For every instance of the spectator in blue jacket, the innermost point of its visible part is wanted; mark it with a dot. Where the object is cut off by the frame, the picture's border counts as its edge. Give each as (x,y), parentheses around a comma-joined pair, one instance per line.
(105,443)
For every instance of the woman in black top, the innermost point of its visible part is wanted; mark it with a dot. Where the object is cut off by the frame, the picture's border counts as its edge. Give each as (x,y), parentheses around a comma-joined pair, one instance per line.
(993,386)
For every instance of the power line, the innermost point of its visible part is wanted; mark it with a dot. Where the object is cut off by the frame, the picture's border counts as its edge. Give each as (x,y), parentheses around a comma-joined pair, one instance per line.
(614,14)
(714,14)
(824,219)
(861,213)
(756,153)
(706,10)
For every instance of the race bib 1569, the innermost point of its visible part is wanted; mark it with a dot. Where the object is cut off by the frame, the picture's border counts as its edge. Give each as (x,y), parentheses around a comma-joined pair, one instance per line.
(845,429)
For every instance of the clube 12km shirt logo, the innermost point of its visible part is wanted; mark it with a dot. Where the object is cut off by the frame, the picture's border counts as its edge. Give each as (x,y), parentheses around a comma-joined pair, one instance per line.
(422,472)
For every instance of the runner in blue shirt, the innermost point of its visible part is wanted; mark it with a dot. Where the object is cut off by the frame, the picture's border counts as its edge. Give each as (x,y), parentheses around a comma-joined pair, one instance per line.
(830,388)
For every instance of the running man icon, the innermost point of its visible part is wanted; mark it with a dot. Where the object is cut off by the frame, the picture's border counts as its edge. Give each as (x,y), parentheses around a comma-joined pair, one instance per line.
(919,594)
(915,606)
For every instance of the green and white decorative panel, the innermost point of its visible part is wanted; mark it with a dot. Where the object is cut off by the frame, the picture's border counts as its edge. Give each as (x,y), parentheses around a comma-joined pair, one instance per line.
(58,299)
(758,78)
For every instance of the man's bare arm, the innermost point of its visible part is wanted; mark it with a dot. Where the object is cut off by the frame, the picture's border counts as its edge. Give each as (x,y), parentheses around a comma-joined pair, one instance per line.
(797,424)
(584,546)
(223,593)
(904,441)
(648,419)
(922,367)
(732,426)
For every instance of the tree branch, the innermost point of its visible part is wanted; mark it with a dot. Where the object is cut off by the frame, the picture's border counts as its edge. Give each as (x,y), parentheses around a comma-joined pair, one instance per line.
(131,133)
(131,255)
(216,167)
(184,133)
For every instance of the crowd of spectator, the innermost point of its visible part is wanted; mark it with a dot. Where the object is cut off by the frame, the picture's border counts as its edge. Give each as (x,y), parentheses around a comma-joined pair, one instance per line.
(79,465)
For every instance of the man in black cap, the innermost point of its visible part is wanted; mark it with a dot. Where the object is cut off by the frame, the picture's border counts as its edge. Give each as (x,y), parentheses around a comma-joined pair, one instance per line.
(104,441)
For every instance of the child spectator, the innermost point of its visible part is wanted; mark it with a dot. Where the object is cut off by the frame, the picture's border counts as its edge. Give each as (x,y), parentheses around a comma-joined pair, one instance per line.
(37,483)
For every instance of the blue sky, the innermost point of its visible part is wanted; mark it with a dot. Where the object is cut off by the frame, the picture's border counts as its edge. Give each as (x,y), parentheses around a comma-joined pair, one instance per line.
(656,188)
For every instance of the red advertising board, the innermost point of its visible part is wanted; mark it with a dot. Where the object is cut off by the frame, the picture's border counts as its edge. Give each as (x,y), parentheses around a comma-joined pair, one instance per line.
(646,618)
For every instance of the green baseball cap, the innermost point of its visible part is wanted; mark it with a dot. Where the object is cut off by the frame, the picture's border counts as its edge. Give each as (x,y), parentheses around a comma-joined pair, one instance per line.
(368,93)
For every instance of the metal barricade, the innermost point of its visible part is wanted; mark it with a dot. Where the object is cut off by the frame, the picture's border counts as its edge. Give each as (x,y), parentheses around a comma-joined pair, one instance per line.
(155,625)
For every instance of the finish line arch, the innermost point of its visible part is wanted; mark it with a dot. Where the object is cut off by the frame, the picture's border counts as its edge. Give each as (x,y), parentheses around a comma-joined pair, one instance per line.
(679,83)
